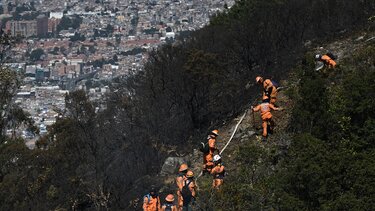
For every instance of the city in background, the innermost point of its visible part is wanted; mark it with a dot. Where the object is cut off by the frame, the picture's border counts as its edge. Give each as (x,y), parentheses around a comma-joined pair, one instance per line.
(75,44)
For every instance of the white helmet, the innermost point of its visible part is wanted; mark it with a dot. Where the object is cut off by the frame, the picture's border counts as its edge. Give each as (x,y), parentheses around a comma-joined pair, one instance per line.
(217,158)
(317,56)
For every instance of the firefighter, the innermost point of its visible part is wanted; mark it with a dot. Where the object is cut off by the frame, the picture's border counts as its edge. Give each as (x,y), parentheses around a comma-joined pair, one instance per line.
(218,173)
(180,183)
(169,206)
(269,89)
(327,59)
(265,109)
(151,201)
(188,191)
(208,156)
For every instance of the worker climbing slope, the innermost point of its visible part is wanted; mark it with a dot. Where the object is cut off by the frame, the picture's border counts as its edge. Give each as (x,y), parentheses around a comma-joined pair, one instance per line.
(188,191)
(151,201)
(168,205)
(327,59)
(180,183)
(269,89)
(265,109)
(209,154)
(218,173)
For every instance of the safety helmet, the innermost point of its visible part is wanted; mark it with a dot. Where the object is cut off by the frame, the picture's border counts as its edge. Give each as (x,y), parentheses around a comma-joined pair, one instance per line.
(258,78)
(190,174)
(169,198)
(217,158)
(215,132)
(183,167)
(317,56)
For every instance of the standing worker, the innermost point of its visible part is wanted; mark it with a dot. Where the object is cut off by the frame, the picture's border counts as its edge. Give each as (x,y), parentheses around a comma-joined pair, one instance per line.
(208,156)
(265,109)
(151,201)
(169,206)
(269,89)
(188,191)
(180,183)
(218,173)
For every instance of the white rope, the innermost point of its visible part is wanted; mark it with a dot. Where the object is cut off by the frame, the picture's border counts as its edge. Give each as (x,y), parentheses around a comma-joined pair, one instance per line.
(234,132)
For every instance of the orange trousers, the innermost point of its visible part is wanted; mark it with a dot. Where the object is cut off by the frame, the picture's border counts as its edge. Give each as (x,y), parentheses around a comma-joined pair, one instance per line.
(264,125)
(216,183)
(180,200)
(207,162)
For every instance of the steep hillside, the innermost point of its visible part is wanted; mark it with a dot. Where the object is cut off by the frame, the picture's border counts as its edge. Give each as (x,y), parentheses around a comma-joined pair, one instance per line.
(321,155)
(318,157)
(257,171)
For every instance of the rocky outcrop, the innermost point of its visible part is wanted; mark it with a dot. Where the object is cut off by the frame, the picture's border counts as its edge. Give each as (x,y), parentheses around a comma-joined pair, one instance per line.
(171,165)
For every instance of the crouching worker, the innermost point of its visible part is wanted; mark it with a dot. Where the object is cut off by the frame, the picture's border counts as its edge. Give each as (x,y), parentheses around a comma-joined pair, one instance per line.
(218,173)
(265,110)
(151,201)
(328,60)
(169,205)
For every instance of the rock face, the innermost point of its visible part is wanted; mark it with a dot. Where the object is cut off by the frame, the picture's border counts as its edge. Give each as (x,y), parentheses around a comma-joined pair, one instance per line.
(171,165)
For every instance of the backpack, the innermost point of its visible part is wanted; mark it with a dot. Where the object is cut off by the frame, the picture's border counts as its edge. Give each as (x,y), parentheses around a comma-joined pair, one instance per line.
(203,147)
(275,84)
(331,55)
(148,197)
(168,207)
(186,193)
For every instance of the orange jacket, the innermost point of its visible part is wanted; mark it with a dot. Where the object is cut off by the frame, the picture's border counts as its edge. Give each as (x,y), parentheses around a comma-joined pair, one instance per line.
(267,84)
(328,61)
(212,145)
(151,203)
(180,181)
(265,110)
(207,159)
(269,90)
(218,171)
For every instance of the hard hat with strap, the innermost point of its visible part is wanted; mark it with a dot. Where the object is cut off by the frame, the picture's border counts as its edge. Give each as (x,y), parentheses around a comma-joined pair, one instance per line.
(215,132)
(169,198)
(183,167)
(190,174)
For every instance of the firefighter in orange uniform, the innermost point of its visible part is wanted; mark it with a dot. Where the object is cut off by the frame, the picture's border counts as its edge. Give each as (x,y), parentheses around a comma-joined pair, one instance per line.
(180,183)
(265,109)
(269,90)
(327,60)
(151,201)
(169,206)
(208,157)
(218,173)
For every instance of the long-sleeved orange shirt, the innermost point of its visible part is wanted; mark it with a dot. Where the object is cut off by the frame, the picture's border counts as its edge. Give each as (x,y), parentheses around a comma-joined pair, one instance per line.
(151,203)
(328,61)
(265,109)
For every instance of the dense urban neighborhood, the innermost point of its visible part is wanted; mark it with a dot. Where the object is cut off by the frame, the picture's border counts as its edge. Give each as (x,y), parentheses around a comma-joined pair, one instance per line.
(75,44)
